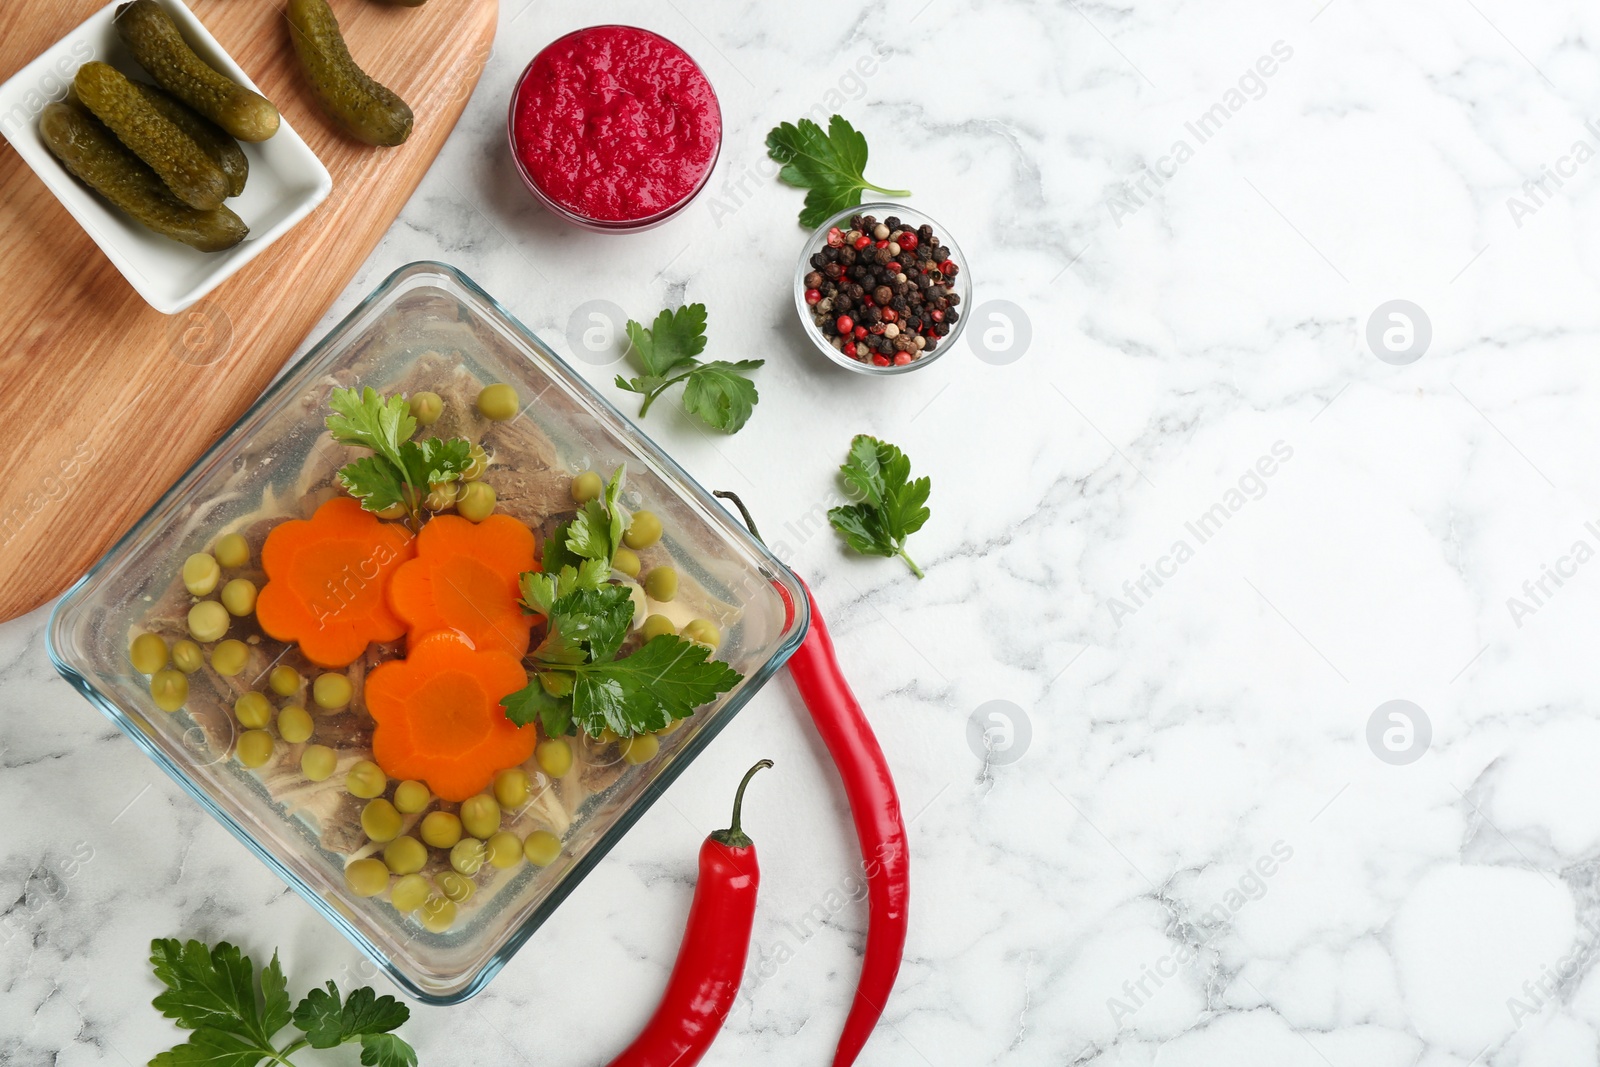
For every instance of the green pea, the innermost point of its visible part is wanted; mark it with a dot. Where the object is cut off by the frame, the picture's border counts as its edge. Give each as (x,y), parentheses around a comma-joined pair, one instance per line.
(201,573)
(643,531)
(187,656)
(480,815)
(255,748)
(455,886)
(208,621)
(703,631)
(511,788)
(661,584)
(498,402)
(239,597)
(231,550)
(295,724)
(409,893)
(475,502)
(253,710)
(426,407)
(148,653)
(542,848)
(505,849)
(657,626)
(554,757)
(467,855)
(641,749)
(477,463)
(438,914)
(229,657)
(441,495)
(411,797)
(284,680)
(366,877)
(627,561)
(587,486)
(317,762)
(380,821)
(169,689)
(332,691)
(441,829)
(405,855)
(366,780)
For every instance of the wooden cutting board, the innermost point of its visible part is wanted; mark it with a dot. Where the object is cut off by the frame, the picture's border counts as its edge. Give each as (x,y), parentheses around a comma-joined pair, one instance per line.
(104,402)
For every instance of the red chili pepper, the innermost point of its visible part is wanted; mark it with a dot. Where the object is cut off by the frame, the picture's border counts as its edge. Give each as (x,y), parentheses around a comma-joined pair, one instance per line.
(705,980)
(874,806)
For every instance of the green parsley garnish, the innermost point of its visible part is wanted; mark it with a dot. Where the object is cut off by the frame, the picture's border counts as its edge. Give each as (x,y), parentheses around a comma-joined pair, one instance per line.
(829,166)
(214,993)
(396,479)
(892,507)
(578,681)
(718,392)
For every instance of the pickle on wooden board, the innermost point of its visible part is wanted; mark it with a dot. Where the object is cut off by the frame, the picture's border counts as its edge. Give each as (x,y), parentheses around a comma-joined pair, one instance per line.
(156,43)
(191,174)
(93,155)
(359,106)
(213,140)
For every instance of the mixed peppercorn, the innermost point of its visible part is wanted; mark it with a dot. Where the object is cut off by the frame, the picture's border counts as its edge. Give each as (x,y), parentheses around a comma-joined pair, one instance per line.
(881,292)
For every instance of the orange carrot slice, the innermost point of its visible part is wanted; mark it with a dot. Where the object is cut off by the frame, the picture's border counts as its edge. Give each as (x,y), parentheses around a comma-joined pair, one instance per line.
(464,578)
(439,715)
(327,580)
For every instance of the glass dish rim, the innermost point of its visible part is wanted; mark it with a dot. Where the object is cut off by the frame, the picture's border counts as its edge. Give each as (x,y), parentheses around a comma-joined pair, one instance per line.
(803,267)
(561,211)
(583,865)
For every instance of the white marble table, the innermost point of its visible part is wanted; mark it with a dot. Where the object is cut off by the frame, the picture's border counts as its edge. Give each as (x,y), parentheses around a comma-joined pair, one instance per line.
(1194,535)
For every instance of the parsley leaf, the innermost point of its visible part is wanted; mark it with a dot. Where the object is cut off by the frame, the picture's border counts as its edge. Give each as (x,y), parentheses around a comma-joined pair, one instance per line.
(401,471)
(328,1023)
(666,679)
(892,508)
(829,166)
(596,532)
(718,392)
(214,993)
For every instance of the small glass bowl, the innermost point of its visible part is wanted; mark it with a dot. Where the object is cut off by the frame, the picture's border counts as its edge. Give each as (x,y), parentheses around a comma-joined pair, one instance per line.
(606,225)
(819,239)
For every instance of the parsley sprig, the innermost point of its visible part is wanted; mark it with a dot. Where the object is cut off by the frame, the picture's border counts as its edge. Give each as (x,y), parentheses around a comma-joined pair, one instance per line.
(578,681)
(397,477)
(718,392)
(214,993)
(892,506)
(829,166)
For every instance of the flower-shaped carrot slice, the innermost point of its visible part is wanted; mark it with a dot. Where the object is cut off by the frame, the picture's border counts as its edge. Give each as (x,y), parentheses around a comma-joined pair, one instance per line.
(327,579)
(439,715)
(464,578)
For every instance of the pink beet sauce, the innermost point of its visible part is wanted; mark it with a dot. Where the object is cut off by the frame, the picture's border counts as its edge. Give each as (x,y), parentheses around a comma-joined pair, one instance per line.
(615,124)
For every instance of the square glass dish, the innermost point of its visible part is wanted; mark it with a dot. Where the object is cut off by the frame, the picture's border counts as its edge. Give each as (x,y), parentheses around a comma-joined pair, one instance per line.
(427,327)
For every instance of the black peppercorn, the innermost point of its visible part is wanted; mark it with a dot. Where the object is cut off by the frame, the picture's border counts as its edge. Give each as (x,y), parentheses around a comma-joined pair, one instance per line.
(871,316)
(817,260)
(882,294)
(952,316)
(842,302)
(954,298)
(847,256)
(941,328)
(832,270)
(813,280)
(924,232)
(893,222)
(933,342)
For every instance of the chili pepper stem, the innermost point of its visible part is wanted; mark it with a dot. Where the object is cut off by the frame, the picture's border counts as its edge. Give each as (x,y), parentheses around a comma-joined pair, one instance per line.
(744,511)
(734,836)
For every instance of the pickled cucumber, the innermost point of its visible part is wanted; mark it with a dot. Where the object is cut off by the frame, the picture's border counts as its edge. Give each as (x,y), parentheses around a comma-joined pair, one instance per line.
(90,152)
(213,140)
(154,39)
(358,105)
(148,134)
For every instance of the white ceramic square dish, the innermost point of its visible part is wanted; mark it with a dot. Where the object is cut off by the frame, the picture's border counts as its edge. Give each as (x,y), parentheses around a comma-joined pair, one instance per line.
(286,181)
